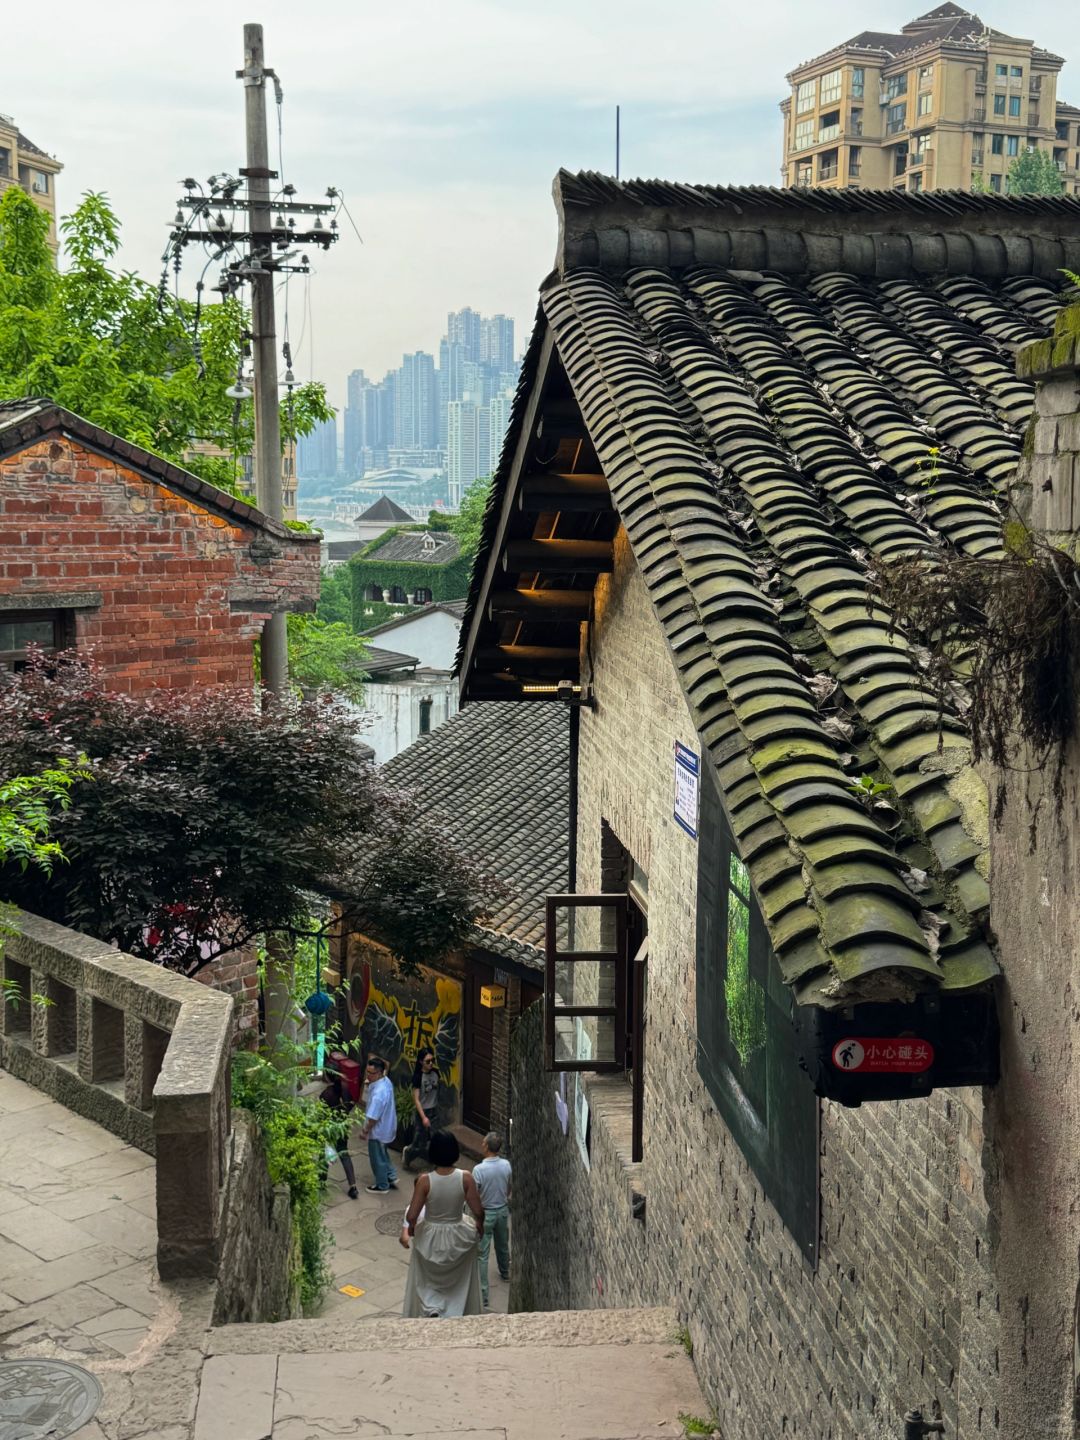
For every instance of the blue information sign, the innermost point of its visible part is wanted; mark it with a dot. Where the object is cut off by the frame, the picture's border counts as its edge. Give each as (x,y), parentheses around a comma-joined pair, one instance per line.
(687,788)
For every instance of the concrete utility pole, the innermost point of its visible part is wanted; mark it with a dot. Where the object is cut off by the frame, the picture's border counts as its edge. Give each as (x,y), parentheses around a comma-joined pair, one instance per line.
(260,231)
(275,664)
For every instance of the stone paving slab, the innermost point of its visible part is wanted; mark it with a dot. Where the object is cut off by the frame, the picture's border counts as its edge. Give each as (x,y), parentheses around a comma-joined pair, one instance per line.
(532,1392)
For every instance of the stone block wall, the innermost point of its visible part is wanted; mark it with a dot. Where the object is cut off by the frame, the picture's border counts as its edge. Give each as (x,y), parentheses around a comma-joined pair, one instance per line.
(902,1308)
(167,592)
(259,1268)
(1035,913)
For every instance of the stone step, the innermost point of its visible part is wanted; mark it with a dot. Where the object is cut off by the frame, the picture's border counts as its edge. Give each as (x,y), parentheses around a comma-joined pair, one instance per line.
(573,1328)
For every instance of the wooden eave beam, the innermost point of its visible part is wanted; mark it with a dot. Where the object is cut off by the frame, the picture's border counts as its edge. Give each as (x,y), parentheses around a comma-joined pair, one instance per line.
(554,662)
(492,570)
(558,557)
(543,491)
(540,606)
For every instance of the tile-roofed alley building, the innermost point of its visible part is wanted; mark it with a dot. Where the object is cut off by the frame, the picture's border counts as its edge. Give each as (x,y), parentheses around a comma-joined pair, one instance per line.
(749,400)
(947,102)
(498,776)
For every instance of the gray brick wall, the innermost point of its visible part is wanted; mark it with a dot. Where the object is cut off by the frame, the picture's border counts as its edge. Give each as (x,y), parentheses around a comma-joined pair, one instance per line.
(902,1309)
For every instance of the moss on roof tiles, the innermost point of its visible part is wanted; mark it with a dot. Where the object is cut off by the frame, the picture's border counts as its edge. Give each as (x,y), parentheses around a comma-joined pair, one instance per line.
(823,415)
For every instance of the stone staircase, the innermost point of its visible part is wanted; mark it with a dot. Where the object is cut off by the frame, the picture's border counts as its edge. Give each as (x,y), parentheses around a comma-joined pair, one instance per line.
(576,1375)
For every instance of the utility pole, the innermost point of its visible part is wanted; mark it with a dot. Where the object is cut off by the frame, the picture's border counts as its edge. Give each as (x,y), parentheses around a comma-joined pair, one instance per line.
(257,172)
(259,230)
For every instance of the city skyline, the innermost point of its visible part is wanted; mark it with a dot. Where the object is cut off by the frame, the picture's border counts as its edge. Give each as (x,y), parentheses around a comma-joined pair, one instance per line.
(443,129)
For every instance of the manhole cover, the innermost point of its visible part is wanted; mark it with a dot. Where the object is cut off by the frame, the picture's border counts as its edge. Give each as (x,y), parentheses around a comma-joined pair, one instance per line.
(45,1398)
(390,1223)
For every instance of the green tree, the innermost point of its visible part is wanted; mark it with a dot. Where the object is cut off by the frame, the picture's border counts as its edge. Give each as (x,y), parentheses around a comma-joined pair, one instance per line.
(27,805)
(326,656)
(101,342)
(335,597)
(1035,173)
(468,522)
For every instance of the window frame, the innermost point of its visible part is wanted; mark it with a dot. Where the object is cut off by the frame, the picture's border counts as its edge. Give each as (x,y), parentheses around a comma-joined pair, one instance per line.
(627,1012)
(806,97)
(1014,107)
(14,660)
(830,86)
(858,82)
(999,104)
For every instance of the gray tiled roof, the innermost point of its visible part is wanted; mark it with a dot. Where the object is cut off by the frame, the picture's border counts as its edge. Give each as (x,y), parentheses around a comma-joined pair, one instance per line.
(386,509)
(764,436)
(378,662)
(427,547)
(499,775)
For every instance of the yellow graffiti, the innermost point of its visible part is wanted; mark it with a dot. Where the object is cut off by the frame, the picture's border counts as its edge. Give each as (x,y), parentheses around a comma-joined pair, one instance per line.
(419,1028)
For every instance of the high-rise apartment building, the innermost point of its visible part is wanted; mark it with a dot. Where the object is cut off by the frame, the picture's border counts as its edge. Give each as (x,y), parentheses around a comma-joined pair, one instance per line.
(416,403)
(463,328)
(945,103)
(497,342)
(468,446)
(316,454)
(23,163)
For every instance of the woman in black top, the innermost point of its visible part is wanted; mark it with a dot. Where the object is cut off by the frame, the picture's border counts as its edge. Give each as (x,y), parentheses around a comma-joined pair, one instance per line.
(338,1099)
(425,1089)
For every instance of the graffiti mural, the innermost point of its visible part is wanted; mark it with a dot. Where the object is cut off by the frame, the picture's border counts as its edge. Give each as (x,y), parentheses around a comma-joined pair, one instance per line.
(398,1017)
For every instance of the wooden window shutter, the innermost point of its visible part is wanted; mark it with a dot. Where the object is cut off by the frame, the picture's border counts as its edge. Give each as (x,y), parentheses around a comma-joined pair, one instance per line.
(585,983)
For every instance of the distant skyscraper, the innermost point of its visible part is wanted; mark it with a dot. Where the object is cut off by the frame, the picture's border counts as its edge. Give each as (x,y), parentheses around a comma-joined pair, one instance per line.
(463,328)
(416,403)
(498,420)
(316,454)
(468,446)
(497,342)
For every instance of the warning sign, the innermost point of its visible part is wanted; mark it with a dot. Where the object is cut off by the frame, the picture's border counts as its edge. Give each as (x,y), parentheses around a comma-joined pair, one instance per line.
(884,1055)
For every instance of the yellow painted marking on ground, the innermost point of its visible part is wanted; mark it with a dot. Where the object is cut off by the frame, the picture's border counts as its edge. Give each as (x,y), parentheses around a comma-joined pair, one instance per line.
(352,1292)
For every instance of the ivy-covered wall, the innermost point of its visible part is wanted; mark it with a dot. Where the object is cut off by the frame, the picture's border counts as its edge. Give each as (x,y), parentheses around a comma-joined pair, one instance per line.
(446,582)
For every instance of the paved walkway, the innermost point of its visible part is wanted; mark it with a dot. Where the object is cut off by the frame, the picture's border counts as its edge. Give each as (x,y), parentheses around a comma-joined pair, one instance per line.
(77,1235)
(366,1254)
(78,1283)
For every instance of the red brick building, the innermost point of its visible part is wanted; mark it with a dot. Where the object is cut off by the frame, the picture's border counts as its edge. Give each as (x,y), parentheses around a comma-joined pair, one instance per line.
(107,546)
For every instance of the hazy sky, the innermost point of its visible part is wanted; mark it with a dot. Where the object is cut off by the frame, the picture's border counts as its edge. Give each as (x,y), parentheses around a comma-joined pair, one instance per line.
(442,123)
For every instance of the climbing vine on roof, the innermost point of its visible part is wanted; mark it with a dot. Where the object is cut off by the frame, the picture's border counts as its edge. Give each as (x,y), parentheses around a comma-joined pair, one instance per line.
(1005,633)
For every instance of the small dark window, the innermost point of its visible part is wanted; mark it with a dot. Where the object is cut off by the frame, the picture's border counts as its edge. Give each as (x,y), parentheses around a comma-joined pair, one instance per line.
(745,1037)
(423,597)
(372,592)
(20,629)
(425,716)
(397,595)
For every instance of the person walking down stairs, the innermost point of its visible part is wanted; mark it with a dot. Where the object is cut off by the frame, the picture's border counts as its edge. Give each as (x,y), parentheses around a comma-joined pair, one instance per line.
(443,1278)
(492,1178)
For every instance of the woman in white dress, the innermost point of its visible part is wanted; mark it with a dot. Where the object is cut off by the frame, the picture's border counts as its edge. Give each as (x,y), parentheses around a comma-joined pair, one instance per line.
(444,1276)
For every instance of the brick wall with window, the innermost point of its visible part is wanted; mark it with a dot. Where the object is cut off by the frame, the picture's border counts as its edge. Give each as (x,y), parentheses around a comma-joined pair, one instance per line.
(167,592)
(900,1308)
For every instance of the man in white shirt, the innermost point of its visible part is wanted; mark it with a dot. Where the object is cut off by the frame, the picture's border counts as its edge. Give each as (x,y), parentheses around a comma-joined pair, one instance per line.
(380,1125)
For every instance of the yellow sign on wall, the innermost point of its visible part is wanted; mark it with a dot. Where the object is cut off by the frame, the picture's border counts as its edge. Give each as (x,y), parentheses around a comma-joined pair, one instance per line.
(493,997)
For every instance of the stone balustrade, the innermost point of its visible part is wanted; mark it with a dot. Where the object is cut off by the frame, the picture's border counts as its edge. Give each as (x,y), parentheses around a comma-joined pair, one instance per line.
(139,1049)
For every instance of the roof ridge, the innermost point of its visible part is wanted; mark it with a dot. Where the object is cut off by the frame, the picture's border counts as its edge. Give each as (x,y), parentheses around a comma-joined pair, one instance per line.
(617,225)
(26,422)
